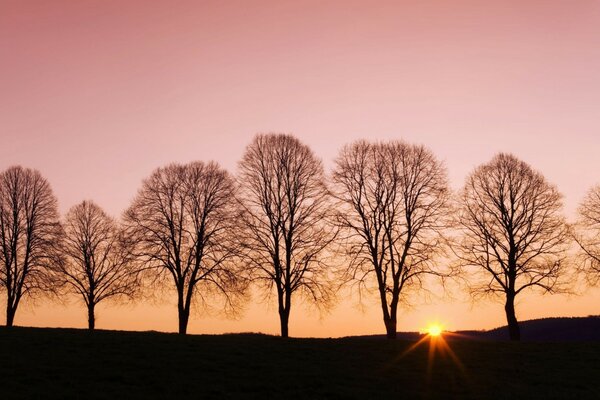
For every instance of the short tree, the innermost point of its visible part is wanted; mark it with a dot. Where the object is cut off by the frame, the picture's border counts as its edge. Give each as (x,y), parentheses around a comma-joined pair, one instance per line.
(30,236)
(514,236)
(393,204)
(98,264)
(285,207)
(183,223)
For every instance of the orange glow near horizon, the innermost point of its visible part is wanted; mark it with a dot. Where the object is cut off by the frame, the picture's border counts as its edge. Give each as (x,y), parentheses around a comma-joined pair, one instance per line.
(96,94)
(434,330)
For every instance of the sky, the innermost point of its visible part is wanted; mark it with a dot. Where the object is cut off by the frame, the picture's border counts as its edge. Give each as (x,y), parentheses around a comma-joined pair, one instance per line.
(97,94)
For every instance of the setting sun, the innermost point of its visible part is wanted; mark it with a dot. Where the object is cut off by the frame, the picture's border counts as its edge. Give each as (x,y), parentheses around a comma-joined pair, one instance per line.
(434,330)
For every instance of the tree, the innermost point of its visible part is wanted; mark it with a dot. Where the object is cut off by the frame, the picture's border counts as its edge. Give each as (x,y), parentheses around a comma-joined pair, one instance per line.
(285,207)
(393,200)
(98,264)
(30,235)
(587,235)
(514,234)
(183,223)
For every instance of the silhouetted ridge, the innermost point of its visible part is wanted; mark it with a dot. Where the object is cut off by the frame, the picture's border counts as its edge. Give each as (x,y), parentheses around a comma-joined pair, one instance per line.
(561,329)
(564,329)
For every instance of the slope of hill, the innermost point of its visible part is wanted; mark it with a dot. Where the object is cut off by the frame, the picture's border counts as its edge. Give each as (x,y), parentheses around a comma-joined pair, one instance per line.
(564,329)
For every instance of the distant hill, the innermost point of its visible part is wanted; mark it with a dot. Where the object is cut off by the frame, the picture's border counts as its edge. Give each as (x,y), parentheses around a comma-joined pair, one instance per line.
(400,335)
(563,329)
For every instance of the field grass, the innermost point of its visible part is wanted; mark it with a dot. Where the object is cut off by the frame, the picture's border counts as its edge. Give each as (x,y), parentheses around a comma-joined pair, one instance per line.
(70,363)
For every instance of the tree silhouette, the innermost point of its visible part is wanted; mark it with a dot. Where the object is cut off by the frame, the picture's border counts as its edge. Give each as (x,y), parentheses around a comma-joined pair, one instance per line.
(587,235)
(183,224)
(392,206)
(285,207)
(30,235)
(514,234)
(98,263)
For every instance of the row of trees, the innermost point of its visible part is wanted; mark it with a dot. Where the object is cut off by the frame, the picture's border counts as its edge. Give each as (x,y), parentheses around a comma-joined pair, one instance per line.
(385,221)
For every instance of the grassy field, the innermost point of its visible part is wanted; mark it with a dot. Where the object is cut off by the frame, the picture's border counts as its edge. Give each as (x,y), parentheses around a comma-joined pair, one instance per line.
(69,363)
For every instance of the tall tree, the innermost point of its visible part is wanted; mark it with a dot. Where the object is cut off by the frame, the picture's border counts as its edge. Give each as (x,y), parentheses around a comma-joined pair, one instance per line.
(393,201)
(587,235)
(98,264)
(183,222)
(30,235)
(514,235)
(285,207)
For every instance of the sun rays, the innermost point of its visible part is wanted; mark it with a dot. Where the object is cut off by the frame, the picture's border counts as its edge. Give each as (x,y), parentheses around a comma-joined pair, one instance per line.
(439,347)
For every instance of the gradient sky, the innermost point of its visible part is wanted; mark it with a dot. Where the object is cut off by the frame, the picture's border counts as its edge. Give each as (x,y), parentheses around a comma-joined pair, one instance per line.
(96,94)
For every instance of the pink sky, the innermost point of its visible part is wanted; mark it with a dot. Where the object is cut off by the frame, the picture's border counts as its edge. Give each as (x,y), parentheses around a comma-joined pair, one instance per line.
(96,94)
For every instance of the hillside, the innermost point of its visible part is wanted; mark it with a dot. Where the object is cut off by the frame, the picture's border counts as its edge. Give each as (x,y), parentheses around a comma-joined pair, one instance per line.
(564,329)
(71,363)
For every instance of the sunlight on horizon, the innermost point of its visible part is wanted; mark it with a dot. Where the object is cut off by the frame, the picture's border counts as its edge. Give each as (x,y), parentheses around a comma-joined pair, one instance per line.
(434,329)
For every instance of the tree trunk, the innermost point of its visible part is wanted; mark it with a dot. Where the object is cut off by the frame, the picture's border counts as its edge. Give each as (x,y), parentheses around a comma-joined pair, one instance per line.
(184,316)
(513,325)
(284,298)
(284,317)
(10,315)
(390,327)
(183,309)
(91,317)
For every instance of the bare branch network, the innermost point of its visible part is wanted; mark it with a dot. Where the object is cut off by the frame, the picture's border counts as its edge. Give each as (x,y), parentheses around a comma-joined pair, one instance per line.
(385,222)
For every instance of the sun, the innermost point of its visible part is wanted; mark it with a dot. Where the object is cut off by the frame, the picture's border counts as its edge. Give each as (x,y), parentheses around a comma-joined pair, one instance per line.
(434,330)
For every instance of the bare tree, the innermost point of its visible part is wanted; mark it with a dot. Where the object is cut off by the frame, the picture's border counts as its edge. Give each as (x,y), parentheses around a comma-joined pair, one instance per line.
(30,235)
(98,264)
(514,235)
(285,206)
(587,235)
(183,222)
(393,200)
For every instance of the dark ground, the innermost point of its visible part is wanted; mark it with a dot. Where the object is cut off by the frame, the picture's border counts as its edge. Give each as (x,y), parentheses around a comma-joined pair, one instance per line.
(70,363)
